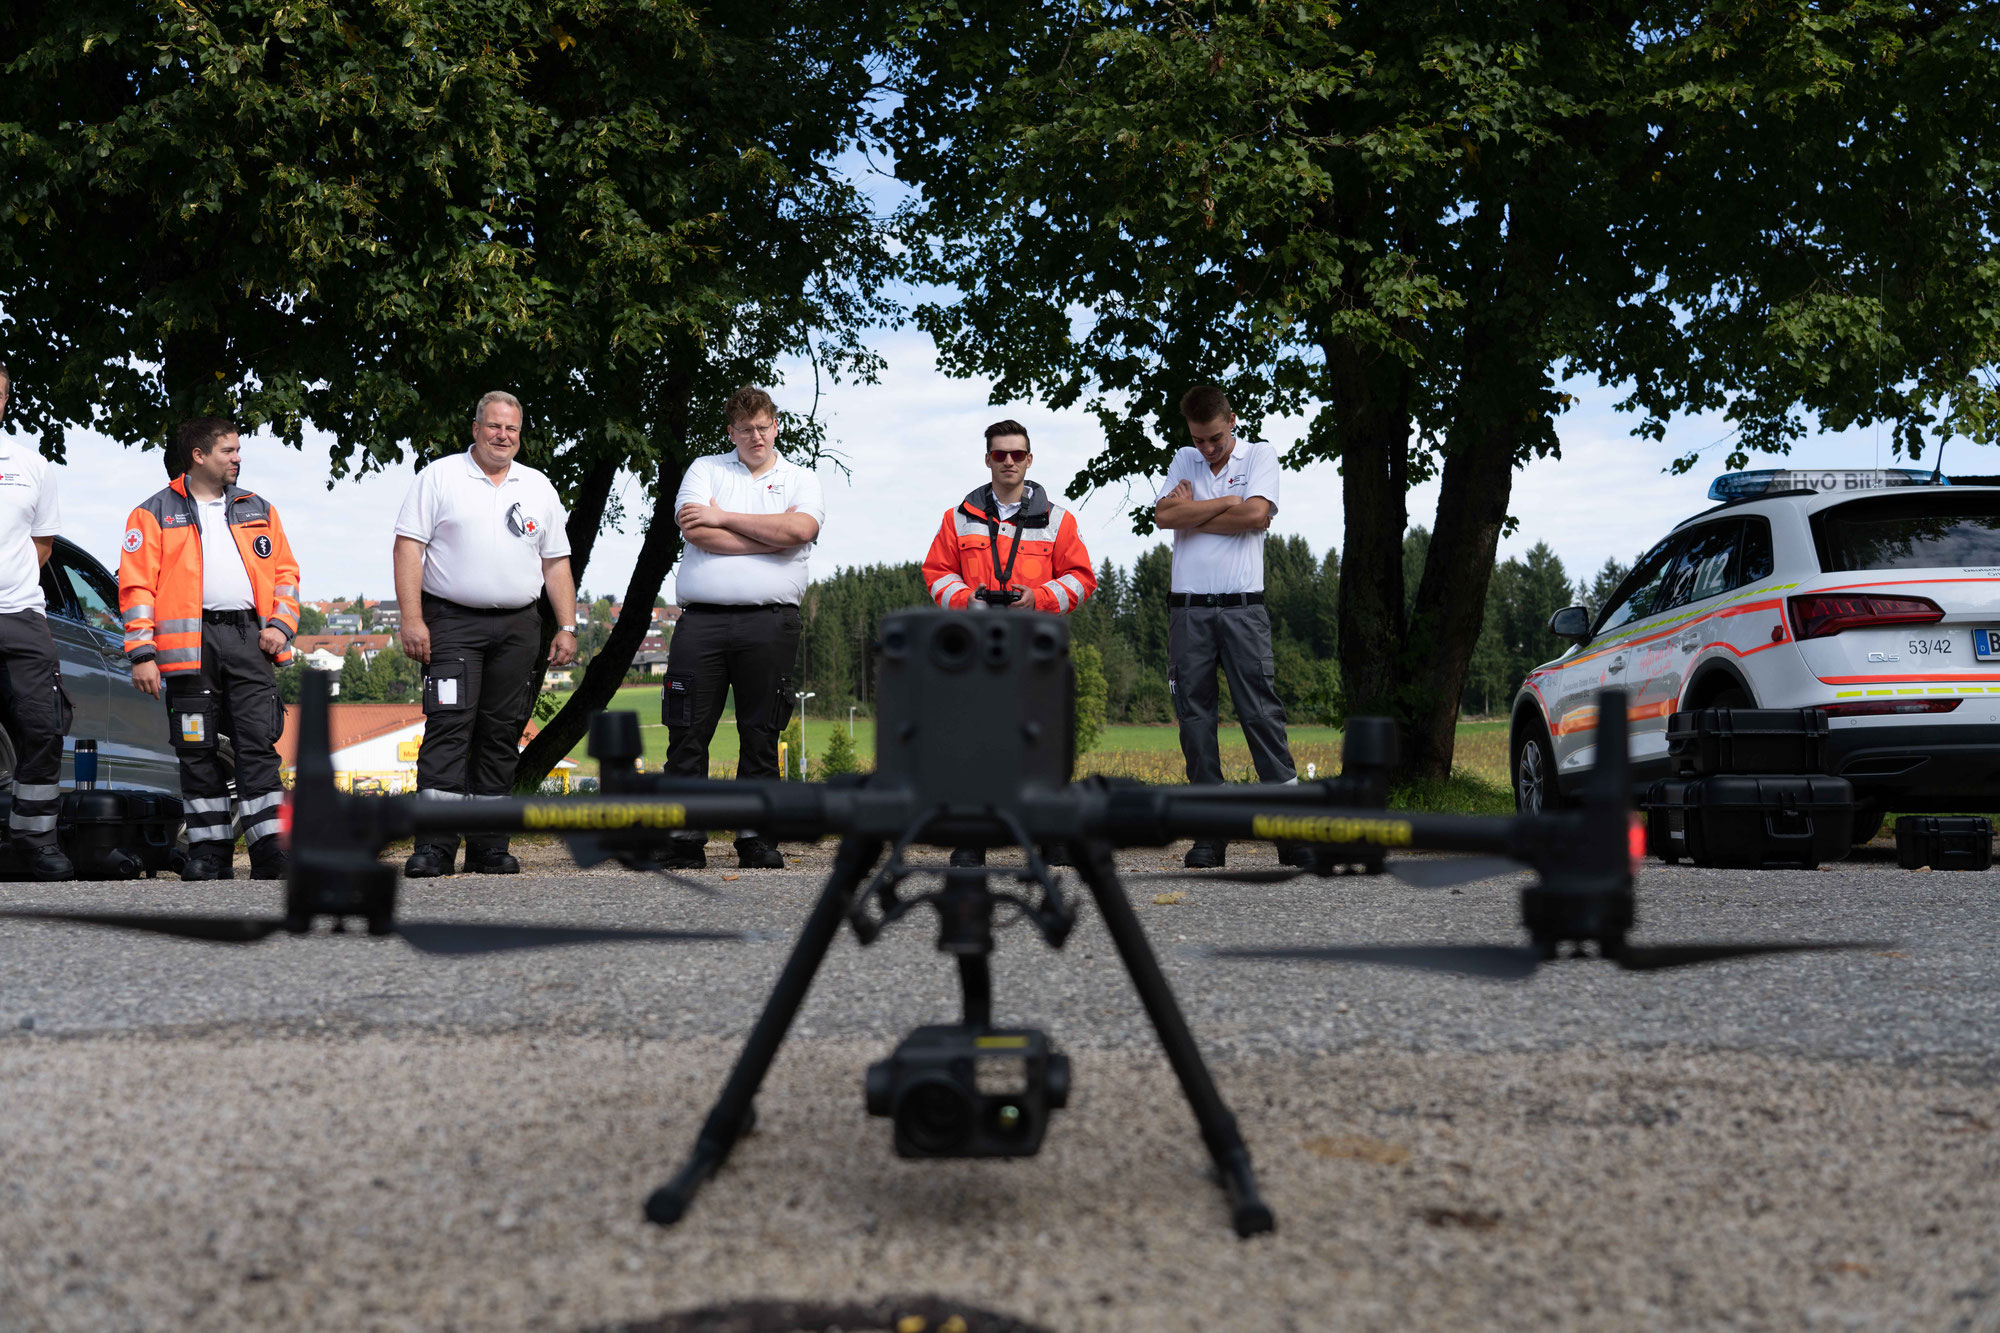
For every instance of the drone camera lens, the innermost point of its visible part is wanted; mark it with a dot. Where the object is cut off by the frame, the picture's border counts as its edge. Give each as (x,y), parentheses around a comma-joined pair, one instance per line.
(996,649)
(951,649)
(936,1115)
(1044,644)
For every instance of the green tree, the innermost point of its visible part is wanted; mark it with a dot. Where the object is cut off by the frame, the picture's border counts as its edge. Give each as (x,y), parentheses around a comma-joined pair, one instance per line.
(362,218)
(1403,222)
(839,755)
(1090,696)
(357,686)
(311,621)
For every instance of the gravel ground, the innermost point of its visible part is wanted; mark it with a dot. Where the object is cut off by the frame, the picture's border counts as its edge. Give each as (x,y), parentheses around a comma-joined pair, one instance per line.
(339,1133)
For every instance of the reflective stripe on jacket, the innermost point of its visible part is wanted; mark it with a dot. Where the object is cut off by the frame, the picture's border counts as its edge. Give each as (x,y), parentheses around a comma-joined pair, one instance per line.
(1042,541)
(159,574)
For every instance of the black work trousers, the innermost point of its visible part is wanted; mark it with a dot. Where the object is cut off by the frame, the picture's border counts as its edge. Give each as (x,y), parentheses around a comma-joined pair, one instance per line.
(36,713)
(750,649)
(234,694)
(476,700)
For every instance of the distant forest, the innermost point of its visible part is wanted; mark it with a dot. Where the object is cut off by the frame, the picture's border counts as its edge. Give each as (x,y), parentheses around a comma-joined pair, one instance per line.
(1126,621)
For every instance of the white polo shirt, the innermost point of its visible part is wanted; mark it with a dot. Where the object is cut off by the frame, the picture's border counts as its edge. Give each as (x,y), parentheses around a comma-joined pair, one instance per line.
(225,583)
(484,544)
(28,509)
(746,580)
(1223,561)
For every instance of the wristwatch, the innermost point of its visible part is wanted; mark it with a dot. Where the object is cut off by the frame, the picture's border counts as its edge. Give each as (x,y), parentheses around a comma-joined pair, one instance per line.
(565,629)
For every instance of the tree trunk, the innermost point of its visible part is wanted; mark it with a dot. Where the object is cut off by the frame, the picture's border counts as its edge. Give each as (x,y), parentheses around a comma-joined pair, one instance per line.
(1498,405)
(586,519)
(1369,394)
(661,548)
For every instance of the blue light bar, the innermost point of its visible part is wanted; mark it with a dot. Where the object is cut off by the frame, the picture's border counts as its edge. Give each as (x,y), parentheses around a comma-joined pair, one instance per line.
(1775,481)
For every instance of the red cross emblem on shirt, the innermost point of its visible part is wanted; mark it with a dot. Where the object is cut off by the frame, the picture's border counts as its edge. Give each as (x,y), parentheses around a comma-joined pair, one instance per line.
(532,527)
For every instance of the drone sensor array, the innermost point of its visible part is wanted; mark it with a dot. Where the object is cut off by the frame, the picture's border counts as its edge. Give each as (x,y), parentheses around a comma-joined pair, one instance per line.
(1001,687)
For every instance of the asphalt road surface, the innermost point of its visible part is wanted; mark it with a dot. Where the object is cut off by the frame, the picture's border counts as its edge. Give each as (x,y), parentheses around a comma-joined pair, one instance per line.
(341,1133)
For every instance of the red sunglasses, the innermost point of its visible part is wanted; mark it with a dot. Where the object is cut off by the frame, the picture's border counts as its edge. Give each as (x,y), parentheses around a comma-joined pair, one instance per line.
(1008,455)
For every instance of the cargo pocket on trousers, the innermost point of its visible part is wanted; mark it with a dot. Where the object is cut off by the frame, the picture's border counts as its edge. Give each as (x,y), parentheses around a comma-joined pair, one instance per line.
(1177,697)
(447,686)
(65,710)
(192,715)
(785,703)
(677,700)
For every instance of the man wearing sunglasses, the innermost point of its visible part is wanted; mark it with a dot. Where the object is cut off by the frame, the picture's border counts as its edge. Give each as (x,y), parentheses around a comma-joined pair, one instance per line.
(1007,545)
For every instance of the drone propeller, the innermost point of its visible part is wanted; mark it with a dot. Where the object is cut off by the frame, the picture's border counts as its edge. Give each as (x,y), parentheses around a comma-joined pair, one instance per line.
(451,938)
(1438,874)
(1517,963)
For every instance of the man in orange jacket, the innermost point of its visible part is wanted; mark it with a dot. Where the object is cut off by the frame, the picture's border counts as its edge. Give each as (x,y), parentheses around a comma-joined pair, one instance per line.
(1007,545)
(210,594)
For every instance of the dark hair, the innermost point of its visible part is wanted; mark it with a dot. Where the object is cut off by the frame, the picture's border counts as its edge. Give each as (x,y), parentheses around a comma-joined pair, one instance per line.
(1205,402)
(1008,427)
(747,402)
(200,433)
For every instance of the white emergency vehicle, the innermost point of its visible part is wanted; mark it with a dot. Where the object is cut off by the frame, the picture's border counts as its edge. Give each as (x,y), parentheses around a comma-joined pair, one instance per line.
(1872,594)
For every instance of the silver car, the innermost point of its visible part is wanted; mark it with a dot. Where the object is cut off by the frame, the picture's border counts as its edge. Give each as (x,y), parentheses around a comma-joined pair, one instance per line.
(130,728)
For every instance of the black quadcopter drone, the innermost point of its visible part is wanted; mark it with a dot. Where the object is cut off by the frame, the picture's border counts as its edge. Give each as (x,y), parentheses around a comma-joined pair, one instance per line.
(1000,687)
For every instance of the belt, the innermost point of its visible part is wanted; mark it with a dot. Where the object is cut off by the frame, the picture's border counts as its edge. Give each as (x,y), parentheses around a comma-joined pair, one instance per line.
(1215,599)
(229,617)
(432,599)
(723,607)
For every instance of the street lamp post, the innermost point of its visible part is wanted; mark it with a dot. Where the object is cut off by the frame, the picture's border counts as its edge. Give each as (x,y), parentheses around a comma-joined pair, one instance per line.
(850,720)
(802,696)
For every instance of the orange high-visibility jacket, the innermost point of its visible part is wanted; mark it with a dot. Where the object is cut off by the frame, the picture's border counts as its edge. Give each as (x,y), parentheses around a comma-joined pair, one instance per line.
(1038,549)
(159,574)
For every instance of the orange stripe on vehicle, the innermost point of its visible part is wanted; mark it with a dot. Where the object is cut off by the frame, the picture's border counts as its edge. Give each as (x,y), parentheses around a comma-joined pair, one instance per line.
(1679,630)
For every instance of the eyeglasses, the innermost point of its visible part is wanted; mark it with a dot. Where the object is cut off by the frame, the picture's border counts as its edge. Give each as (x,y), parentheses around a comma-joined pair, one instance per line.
(1008,455)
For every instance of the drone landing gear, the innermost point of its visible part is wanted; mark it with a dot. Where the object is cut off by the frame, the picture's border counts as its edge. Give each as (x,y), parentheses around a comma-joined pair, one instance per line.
(733,1113)
(1249,1214)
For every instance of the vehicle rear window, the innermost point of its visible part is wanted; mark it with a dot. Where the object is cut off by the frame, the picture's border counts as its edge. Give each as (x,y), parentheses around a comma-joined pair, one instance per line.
(1932,530)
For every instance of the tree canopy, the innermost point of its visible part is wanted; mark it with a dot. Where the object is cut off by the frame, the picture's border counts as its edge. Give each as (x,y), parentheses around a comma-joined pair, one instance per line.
(1406,223)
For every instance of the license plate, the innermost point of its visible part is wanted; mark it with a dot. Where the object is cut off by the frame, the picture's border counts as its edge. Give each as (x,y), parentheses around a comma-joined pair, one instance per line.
(1986,644)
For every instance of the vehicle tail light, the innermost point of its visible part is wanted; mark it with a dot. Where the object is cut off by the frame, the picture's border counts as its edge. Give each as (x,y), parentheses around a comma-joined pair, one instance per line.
(1883,707)
(1817,614)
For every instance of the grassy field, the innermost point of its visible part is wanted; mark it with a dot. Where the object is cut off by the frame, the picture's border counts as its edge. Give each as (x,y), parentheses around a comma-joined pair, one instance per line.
(1149,753)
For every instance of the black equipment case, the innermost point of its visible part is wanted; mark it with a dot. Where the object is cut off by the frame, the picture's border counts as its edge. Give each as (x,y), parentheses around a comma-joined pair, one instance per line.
(1748,740)
(1944,842)
(1745,822)
(114,833)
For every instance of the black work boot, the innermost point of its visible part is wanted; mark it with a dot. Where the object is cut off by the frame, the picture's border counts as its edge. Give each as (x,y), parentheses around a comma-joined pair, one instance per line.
(490,861)
(685,854)
(267,858)
(429,861)
(758,854)
(1295,854)
(968,856)
(210,860)
(44,863)
(1206,856)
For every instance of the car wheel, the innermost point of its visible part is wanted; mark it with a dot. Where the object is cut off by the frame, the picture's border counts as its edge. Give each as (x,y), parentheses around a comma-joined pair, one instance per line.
(1730,698)
(1867,823)
(1535,788)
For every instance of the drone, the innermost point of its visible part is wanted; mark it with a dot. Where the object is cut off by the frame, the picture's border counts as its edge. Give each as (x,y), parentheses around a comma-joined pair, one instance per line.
(1001,687)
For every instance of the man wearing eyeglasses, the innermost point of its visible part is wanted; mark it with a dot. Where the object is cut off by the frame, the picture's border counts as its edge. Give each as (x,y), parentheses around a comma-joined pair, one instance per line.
(749,518)
(1007,545)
